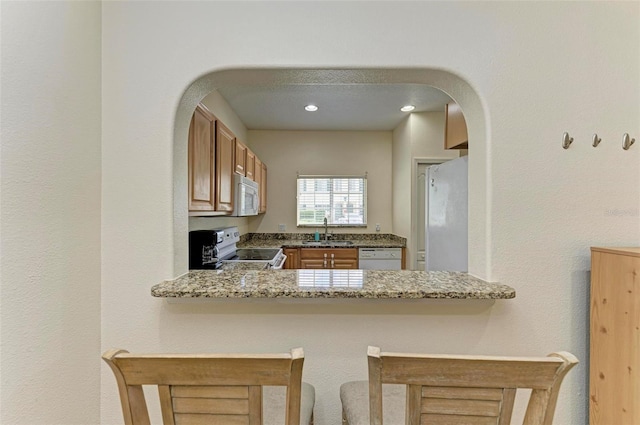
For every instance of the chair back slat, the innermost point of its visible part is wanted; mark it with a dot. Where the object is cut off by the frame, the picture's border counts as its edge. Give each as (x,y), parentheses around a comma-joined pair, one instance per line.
(434,419)
(448,390)
(206,389)
(199,419)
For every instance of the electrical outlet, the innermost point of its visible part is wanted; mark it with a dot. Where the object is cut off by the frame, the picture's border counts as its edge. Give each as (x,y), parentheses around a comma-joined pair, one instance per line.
(282,227)
(377,227)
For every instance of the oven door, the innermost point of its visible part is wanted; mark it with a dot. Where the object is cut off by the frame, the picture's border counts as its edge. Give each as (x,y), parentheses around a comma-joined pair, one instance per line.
(279,262)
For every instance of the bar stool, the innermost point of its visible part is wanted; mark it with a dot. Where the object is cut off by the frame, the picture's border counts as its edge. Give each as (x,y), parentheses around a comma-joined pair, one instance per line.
(229,389)
(441,389)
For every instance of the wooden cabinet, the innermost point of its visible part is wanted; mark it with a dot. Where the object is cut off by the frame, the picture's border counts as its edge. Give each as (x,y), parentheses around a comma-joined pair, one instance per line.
(331,258)
(614,377)
(225,146)
(240,158)
(293,259)
(250,165)
(202,166)
(214,156)
(455,128)
(263,188)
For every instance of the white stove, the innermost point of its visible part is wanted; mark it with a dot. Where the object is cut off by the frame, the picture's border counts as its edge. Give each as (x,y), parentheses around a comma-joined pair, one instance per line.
(227,251)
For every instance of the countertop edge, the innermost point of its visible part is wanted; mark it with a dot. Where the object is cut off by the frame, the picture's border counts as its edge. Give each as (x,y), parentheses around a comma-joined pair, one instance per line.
(382,286)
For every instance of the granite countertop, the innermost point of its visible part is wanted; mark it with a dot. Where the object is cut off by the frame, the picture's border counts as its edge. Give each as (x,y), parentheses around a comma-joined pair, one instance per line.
(297,240)
(371,284)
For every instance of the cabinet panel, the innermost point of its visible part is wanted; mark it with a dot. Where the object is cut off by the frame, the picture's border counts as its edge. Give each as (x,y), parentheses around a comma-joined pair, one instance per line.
(202,161)
(615,337)
(250,165)
(225,145)
(263,188)
(257,175)
(455,128)
(321,258)
(240,158)
(292,258)
(313,264)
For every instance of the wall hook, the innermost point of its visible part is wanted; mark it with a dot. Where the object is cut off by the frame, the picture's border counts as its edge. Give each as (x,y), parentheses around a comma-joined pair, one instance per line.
(627,141)
(596,140)
(566,140)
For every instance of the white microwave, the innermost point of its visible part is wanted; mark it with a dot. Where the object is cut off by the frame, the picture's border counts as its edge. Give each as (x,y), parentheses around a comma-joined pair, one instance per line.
(246,200)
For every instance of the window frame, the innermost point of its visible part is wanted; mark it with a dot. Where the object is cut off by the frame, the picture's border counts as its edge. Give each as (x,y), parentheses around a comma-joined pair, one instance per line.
(363,178)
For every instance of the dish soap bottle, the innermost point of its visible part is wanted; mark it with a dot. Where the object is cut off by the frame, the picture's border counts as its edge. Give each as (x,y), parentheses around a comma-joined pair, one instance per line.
(317,236)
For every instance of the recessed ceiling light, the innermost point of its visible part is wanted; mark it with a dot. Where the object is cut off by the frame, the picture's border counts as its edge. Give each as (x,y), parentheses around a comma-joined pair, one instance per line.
(407,108)
(311,108)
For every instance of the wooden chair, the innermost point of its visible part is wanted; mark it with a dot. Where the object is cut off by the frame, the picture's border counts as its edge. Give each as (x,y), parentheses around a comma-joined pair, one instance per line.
(448,390)
(218,389)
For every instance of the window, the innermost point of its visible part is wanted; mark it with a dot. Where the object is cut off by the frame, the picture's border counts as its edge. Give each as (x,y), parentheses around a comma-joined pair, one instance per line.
(342,200)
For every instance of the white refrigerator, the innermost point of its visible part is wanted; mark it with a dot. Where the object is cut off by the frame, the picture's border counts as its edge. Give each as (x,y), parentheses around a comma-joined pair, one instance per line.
(446,216)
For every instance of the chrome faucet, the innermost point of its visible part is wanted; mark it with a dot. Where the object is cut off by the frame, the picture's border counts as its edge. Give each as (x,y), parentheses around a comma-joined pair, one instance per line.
(326,229)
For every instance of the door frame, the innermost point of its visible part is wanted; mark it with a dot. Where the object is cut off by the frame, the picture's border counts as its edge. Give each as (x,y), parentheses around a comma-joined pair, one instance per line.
(414,203)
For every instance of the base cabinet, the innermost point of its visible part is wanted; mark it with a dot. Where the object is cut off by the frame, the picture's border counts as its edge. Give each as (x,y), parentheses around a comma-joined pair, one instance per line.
(293,259)
(614,369)
(321,258)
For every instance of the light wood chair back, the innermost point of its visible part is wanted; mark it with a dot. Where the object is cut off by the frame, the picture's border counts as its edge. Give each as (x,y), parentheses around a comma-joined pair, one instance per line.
(470,390)
(218,389)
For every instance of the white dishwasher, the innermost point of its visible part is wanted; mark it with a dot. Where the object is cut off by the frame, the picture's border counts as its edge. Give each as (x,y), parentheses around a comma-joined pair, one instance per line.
(380,258)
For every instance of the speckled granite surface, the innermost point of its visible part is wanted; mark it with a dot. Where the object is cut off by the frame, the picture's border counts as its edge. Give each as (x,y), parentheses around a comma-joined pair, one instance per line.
(244,266)
(373,284)
(297,240)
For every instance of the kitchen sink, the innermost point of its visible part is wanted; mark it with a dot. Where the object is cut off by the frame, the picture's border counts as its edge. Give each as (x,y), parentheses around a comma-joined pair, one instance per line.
(327,243)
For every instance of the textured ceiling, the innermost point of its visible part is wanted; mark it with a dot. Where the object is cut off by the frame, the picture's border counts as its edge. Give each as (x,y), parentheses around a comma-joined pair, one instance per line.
(341,107)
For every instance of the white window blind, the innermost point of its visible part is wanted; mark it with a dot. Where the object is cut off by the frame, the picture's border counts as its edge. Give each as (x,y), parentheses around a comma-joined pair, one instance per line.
(342,200)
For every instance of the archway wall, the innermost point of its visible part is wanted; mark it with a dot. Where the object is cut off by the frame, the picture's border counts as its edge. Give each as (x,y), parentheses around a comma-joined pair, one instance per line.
(448,82)
(536,208)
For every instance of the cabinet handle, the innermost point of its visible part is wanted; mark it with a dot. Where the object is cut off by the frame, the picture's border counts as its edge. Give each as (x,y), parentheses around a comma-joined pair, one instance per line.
(325,255)
(333,264)
(325,264)
(332,255)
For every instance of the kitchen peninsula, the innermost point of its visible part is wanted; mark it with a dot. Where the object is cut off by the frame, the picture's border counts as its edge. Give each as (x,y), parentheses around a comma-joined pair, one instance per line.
(352,284)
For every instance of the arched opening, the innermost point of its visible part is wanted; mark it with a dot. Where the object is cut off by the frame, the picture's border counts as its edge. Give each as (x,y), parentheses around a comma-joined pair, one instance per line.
(451,84)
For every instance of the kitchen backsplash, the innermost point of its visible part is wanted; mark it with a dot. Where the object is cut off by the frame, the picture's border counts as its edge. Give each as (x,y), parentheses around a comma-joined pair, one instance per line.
(309,236)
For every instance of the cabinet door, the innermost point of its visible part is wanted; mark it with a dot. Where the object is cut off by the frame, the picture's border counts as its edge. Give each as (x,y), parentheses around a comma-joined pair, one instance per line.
(343,258)
(344,264)
(202,167)
(455,128)
(250,165)
(263,189)
(292,258)
(225,145)
(257,176)
(313,264)
(241,158)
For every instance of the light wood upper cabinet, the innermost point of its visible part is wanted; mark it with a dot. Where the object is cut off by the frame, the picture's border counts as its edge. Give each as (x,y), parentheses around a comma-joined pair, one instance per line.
(614,376)
(455,128)
(250,165)
(240,158)
(202,166)
(225,166)
(263,188)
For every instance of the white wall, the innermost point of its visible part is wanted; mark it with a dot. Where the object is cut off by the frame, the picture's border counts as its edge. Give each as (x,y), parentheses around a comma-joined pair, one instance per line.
(287,153)
(420,135)
(545,205)
(50,213)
